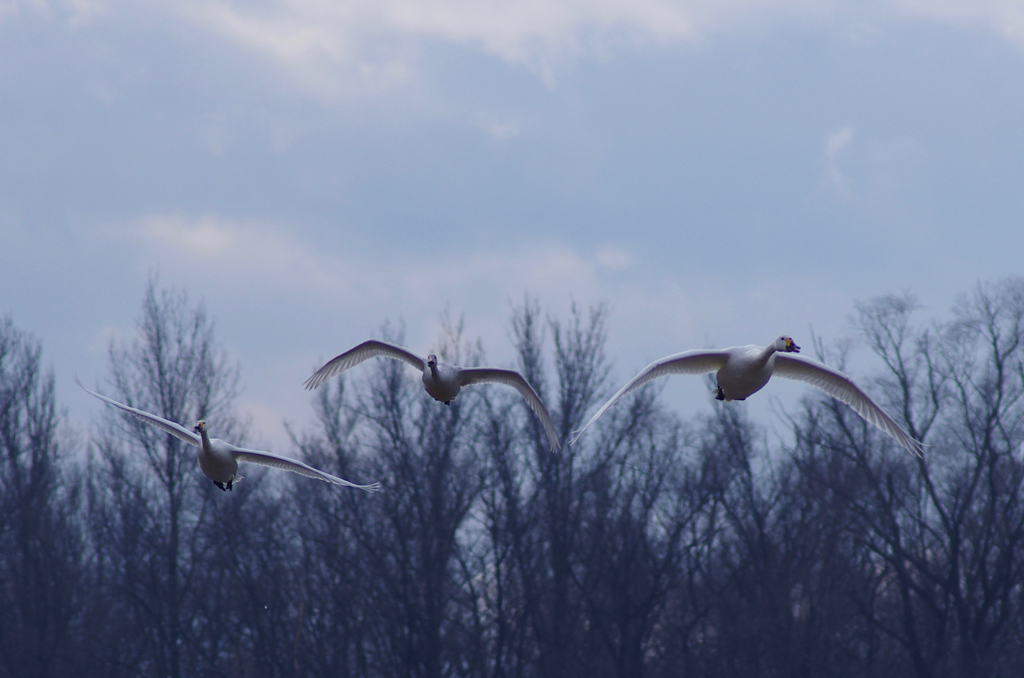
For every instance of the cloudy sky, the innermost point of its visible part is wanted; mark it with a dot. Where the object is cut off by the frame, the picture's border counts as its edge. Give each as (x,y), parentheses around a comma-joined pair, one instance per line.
(718,171)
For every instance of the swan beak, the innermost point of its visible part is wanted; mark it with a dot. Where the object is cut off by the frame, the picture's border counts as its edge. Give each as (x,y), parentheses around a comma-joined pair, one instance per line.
(791,346)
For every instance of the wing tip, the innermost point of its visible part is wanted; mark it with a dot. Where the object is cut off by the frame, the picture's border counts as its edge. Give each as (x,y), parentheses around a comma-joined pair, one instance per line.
(80,384)
(317,378)
(371,488)
(335,480)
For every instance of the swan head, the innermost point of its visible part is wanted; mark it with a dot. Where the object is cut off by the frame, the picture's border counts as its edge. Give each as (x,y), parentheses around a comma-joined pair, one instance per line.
(431,361)
(200,427)
(786,344)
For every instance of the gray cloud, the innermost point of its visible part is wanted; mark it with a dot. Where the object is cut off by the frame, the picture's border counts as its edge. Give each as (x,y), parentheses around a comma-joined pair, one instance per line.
(311,183)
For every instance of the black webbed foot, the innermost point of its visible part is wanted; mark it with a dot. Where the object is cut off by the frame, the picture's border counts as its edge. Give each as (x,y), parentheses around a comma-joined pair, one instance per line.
(719,395)
(222,486)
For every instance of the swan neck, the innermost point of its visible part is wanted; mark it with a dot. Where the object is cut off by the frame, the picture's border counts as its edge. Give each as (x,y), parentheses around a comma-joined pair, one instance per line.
(767,352)
(205,438)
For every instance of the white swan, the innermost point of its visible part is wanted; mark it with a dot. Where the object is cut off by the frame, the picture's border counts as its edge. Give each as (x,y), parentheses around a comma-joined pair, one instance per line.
(743,370)
(219,460)
(440,380)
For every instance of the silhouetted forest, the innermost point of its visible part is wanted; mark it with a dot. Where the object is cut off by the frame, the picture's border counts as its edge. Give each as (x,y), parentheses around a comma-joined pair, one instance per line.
(661,545)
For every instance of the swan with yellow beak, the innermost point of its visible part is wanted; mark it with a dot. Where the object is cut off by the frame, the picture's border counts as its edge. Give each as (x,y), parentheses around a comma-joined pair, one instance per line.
(744,370)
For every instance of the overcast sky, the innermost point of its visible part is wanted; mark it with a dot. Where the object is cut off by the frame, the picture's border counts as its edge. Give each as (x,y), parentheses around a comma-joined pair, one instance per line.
(719,172)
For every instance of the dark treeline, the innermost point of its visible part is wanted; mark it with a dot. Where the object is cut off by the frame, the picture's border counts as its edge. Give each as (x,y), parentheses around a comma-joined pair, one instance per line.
(660,546)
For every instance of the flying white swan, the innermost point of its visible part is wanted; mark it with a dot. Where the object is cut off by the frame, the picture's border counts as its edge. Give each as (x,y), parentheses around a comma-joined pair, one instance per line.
(219,460)
(743,370)
(440,380)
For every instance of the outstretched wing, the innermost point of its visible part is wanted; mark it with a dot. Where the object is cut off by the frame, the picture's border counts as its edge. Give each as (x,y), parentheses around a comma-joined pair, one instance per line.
(372,348)
(840,387)
(176,430)
(699,361)
(481,375)
(285,464)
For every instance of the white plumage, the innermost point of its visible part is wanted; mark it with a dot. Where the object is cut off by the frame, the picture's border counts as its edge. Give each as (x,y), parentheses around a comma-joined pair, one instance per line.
(218,459)
(744,370)
(440,380)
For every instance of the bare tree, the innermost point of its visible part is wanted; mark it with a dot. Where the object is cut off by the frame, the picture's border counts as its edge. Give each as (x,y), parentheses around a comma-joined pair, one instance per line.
(41,552)
(410,534)
(783,565)
(657,546)
(337,590)
(552,483)
(582,549)
(151,505)
(632,538)
(943,534)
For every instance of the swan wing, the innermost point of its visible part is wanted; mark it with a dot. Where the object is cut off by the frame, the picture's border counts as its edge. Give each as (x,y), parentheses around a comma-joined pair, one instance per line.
(176,430)
(285,464)
(701,361)
(842,388)
(481,375)
(372,348)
